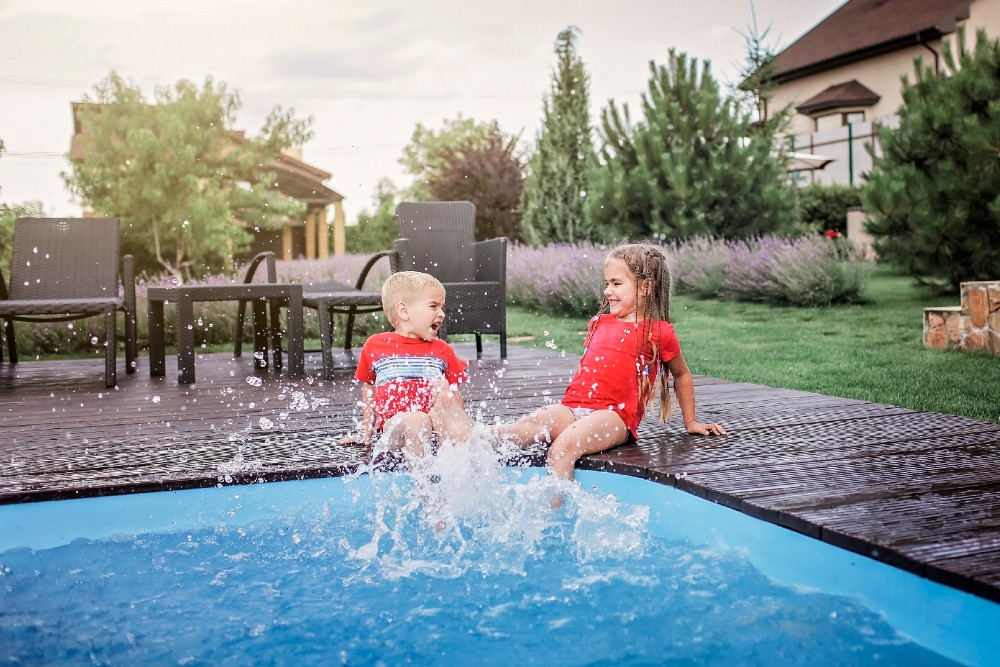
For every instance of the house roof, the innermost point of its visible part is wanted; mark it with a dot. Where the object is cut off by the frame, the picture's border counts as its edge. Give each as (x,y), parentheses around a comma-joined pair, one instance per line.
(850,94)
(860,29)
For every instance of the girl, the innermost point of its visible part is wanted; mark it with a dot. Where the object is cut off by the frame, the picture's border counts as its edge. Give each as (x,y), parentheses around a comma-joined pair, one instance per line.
(618,372)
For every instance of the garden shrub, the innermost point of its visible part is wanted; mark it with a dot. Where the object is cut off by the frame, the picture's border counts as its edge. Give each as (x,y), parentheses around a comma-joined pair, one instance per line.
(565,278)
(824,207)
(810,270)
(214,320)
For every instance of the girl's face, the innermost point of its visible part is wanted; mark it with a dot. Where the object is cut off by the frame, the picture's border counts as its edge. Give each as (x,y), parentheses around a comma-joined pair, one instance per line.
(621,290)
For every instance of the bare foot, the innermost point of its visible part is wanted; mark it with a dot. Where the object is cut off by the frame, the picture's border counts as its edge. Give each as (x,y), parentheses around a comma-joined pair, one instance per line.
(448,417)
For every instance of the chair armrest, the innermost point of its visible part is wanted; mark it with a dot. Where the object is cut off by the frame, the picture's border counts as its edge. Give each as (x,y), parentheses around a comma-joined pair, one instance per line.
(268,258)
(491,260)
(371,263)
(404,257)
(128,283)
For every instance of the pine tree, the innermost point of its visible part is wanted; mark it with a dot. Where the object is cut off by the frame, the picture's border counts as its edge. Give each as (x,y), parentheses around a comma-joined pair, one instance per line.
(552,201)
(693,165)
(933,198)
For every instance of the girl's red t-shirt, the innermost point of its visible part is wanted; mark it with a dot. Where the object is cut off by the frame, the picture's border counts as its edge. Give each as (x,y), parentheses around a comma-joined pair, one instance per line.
(607,378)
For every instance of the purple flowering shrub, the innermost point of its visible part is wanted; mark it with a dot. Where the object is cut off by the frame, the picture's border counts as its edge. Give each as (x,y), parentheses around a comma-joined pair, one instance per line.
(801,271)
(566,278)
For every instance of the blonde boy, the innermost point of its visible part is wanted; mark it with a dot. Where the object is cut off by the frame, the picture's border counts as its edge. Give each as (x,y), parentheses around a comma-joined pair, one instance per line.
(399,369)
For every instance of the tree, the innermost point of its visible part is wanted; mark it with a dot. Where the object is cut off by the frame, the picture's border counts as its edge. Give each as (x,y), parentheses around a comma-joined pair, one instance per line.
(423,158)
(694,164)
(933,197)
(8,214)
(377,230)
(555,188)
(756,80)
(489,175)
(184,183)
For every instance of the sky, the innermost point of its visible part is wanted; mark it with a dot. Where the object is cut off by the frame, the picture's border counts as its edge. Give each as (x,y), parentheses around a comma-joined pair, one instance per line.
(365,72)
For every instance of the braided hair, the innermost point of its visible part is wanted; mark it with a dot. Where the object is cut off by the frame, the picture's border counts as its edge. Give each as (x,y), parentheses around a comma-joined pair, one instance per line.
(648,265)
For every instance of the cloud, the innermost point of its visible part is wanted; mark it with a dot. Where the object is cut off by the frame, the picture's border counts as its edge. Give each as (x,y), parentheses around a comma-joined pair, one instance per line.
(372,66)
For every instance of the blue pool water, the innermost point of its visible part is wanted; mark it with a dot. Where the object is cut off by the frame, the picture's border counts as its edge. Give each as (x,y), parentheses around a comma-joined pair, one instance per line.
(380,569)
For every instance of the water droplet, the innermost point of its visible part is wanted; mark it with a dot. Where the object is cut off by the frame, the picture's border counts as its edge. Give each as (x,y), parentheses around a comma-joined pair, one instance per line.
(254,381)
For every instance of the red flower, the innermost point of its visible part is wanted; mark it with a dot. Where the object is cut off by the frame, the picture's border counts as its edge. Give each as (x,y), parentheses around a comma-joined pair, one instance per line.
(832,234)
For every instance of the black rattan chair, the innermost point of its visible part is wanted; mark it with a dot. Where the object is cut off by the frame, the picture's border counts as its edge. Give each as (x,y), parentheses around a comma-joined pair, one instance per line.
(66,269)
(327,298)
(438,238)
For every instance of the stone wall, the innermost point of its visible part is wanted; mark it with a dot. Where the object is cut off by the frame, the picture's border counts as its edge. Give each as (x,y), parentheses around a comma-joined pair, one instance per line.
(975,325)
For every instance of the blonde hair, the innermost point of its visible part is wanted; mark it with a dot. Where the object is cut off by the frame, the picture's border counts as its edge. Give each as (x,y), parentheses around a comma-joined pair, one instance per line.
(404,286)
(649,267)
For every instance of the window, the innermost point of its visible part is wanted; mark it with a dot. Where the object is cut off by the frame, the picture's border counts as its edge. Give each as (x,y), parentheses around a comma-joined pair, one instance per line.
(838,119)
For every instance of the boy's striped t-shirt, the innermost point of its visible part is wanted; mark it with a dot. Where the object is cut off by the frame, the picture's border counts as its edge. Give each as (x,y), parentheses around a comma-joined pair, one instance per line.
(403,371)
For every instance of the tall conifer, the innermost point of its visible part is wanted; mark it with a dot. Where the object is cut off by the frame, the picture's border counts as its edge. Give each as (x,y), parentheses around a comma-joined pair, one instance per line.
(933,198)
(552,202)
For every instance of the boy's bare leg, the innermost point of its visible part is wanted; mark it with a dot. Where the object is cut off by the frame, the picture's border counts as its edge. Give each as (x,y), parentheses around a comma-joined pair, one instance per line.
(409,432)
(447,416)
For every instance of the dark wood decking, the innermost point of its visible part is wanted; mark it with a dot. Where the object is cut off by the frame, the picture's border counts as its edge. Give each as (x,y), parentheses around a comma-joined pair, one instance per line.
(915,489)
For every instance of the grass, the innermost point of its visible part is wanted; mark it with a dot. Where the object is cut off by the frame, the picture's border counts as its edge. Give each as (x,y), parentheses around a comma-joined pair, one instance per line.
(872,352)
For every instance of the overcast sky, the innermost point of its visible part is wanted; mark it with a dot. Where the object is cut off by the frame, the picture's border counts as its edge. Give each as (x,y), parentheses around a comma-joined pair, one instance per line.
(366,72)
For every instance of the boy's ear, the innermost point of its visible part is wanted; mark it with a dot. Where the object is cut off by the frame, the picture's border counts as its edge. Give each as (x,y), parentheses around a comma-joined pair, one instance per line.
(402,314)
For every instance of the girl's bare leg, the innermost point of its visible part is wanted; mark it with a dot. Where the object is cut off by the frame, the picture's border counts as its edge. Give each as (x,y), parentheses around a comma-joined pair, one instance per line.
(594,433)
(542,425)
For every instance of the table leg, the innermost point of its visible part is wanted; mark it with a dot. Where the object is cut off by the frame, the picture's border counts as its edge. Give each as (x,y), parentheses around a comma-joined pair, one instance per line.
(185,339)
(157,363)
(260,331)
(325,337)
(296,335)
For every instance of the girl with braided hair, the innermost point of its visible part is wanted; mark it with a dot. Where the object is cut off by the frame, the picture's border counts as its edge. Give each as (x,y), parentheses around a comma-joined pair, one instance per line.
(626,345)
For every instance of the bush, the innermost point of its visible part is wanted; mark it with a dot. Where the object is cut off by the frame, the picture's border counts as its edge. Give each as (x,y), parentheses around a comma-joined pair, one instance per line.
(824,207)
(214,320)
(806,271)
(564,278)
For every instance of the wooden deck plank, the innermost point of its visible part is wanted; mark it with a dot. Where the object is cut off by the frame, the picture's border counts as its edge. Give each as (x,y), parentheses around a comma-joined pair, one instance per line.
(915,489)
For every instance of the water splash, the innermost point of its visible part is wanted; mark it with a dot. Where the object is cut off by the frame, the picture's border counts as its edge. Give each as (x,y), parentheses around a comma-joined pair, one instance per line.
(460,509)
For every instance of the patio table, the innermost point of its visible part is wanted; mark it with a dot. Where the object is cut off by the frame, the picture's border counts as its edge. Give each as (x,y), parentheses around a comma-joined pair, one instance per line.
(277,294)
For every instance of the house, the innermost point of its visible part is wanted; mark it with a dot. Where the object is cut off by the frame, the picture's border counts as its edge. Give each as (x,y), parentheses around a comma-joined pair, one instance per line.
(843,77)
(313,236)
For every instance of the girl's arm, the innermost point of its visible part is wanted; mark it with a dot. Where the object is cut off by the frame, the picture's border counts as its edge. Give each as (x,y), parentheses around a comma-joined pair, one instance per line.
(684,389)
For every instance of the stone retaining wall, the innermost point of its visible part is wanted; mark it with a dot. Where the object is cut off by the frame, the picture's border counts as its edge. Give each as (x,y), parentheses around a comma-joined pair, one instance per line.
(975,325)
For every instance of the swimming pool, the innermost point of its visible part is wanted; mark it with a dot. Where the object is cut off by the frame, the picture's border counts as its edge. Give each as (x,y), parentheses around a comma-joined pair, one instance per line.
(357,571)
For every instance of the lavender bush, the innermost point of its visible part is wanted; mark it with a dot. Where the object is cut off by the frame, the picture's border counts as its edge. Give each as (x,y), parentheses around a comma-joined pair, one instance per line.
(215,321)
(560,278)
(802,271)
(566,278)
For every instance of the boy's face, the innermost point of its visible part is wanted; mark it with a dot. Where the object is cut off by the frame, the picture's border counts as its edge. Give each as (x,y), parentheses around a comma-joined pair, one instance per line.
(424,314)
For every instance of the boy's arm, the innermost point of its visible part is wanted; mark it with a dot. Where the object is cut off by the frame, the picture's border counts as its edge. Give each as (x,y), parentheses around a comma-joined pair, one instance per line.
(684,388)
(367,417)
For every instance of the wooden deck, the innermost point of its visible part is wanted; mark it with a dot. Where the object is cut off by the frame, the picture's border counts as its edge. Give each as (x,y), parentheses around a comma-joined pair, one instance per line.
(915,489)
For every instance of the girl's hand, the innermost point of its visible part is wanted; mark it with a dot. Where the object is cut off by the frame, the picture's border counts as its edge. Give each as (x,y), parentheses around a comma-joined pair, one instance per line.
(698,428)
(354,439)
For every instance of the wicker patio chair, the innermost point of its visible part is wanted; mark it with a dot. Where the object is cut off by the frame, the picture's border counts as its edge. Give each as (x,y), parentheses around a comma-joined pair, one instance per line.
(66,269)
(438,238)
(326,298)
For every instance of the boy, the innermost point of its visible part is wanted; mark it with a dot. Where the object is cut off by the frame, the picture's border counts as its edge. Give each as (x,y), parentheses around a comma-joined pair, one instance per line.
(399,369)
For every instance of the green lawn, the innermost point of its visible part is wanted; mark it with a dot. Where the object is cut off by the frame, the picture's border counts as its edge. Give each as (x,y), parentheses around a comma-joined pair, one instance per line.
(872,352)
